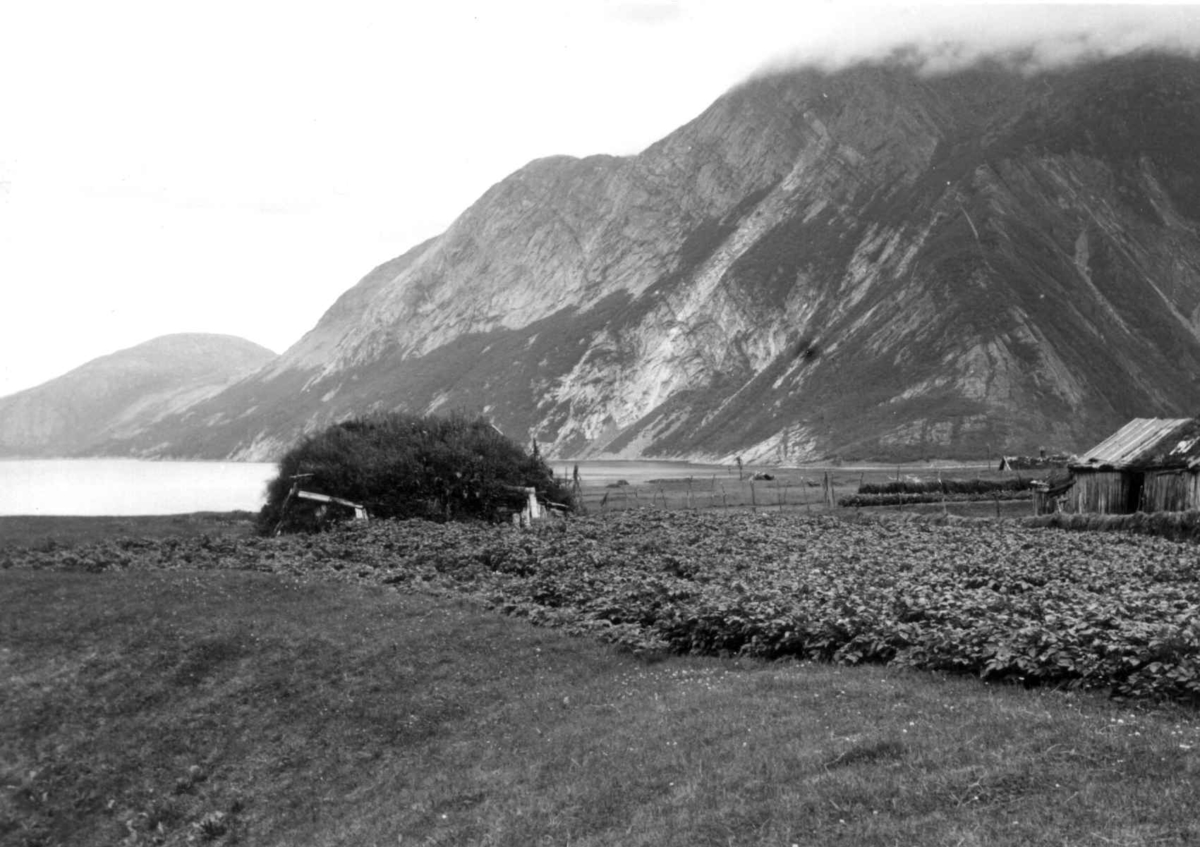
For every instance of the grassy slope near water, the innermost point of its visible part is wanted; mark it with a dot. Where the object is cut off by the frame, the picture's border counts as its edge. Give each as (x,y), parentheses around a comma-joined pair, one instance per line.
(231,707)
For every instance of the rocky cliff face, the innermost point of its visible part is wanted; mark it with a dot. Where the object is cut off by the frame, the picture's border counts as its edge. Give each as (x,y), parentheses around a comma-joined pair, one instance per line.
(116,396)
(863,264)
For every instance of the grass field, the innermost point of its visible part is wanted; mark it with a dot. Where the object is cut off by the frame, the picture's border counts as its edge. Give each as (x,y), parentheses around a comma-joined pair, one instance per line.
(234,707)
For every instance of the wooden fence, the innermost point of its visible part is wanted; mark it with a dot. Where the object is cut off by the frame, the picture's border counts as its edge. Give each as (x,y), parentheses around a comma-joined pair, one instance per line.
(696,493)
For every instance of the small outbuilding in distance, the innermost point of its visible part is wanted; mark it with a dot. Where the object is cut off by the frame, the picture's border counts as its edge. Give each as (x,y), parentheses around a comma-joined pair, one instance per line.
(1148,465)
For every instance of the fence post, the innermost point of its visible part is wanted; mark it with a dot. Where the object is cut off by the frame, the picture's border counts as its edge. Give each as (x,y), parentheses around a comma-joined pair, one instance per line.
(753,499)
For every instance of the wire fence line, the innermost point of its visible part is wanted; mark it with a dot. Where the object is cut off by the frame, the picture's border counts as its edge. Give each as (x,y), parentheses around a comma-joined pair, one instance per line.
(823,490)
(711,493)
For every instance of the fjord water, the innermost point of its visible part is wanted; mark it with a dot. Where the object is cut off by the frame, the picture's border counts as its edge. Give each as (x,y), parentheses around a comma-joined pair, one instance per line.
(608,471)
(135,487)
(130,486)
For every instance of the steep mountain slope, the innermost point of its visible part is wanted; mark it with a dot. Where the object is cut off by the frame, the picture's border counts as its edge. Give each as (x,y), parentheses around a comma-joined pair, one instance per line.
(111,396)
(862,264)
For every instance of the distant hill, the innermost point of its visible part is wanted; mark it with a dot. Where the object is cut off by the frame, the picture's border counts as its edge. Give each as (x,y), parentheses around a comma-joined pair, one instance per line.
(864,264)
(117,395)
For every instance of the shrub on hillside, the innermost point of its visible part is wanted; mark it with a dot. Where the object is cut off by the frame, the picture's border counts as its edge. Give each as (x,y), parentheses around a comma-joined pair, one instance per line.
(400,465)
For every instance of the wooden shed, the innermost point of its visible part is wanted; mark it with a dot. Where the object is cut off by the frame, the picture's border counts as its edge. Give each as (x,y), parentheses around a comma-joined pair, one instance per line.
(1148,465)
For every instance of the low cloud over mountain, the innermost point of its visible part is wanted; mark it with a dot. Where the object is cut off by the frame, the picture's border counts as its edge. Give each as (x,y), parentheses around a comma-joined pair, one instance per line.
(952,37)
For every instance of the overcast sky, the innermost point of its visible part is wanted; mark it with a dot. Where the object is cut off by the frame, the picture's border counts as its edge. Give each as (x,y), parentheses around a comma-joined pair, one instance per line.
(234,167)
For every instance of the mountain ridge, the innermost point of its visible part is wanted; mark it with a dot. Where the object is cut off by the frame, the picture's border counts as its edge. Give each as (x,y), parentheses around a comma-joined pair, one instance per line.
(867,263)
(113,395)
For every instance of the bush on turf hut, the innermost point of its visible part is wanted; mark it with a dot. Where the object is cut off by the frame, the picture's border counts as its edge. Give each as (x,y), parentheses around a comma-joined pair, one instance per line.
(400,465)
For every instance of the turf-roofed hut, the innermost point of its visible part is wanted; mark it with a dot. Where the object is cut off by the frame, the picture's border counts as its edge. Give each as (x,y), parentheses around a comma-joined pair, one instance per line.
(1149,465)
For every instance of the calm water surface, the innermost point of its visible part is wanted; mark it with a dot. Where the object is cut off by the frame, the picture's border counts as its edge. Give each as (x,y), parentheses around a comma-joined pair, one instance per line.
(602,473)
(134,487)
(130,486)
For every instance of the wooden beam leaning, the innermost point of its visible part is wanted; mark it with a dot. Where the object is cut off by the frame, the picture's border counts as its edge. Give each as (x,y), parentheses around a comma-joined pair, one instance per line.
(360,512)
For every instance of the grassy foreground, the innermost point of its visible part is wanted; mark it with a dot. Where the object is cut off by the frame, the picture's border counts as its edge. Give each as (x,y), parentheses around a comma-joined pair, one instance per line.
(42,531)
(232,707)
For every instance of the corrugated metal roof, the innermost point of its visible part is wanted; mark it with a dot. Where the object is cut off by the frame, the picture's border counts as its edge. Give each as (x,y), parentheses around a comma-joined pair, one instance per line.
(1137,443)
(1180,448)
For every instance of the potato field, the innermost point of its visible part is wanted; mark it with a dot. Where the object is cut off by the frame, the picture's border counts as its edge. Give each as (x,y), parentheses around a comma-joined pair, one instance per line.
(994,599)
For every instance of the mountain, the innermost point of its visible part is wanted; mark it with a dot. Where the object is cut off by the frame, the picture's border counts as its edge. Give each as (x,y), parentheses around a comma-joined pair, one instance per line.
(110,397)
(868,263)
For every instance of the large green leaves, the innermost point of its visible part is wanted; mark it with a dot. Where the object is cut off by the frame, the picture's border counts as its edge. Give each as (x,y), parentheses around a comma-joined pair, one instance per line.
(998,600)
